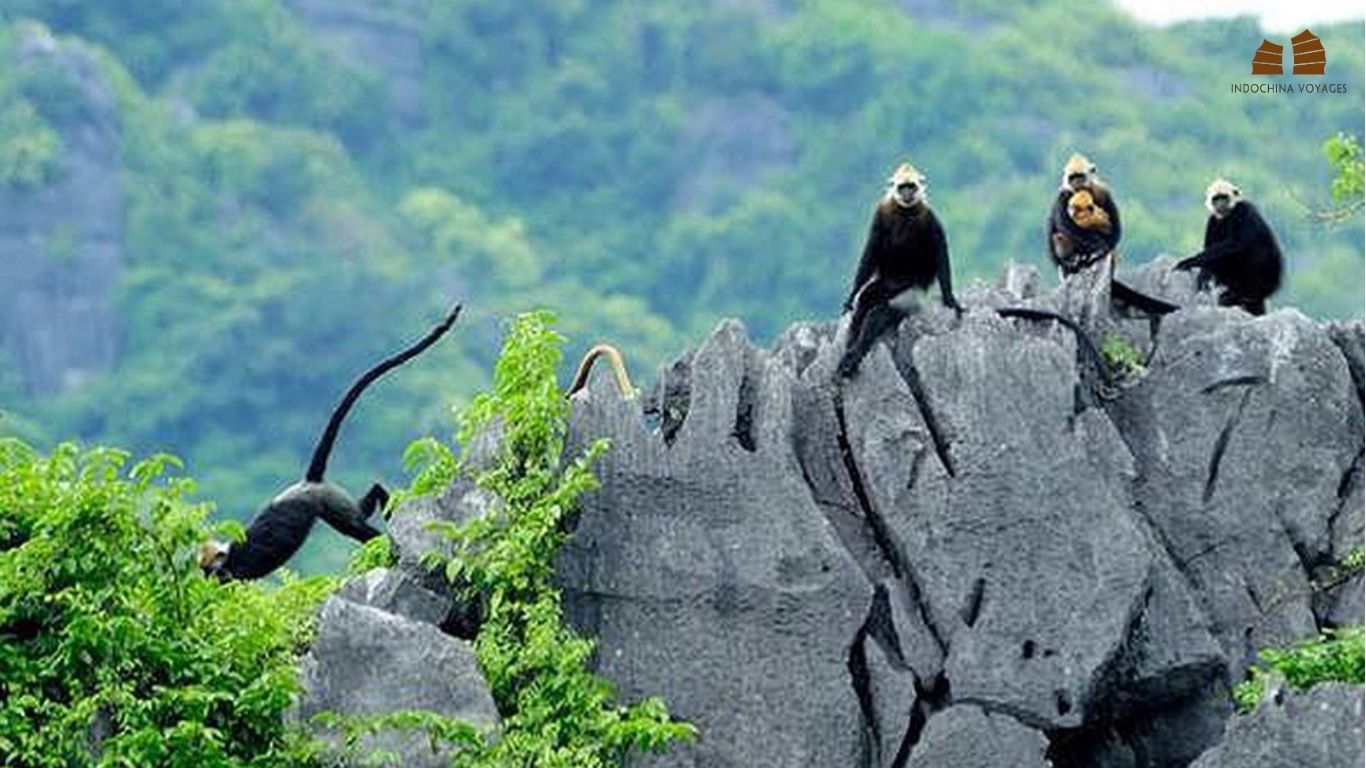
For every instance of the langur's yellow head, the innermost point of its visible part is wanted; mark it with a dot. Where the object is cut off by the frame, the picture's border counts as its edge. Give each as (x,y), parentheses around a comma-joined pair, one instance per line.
(1221,196)
(213,555)
(906,186)
(1078,172)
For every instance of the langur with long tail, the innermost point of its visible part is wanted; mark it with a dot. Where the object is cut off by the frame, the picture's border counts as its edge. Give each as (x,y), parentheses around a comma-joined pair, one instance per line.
(282,526)
(906,251)
(1077,243)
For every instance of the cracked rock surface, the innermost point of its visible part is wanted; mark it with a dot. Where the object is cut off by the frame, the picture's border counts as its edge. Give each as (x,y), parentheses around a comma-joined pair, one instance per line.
(962,555)
(968,554)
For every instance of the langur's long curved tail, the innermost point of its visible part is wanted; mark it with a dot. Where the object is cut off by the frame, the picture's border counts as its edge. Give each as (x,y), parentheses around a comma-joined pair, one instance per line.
(1149,304)
(317,467)
(613,356)
(1088,347)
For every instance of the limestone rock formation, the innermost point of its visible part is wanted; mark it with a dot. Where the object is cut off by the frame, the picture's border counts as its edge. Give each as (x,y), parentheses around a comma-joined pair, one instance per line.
(966,554)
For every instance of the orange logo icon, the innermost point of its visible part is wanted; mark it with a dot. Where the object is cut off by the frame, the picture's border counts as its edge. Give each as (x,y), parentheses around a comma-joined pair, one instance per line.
(1309,56)
(1267,59)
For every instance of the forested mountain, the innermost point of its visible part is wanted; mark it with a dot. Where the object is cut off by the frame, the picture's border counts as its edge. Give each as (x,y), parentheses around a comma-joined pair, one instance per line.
(212,215)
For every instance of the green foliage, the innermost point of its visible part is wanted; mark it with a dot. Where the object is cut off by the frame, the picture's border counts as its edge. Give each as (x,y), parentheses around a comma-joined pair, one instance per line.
(1344,153)
(556,713)
(1121,356)
(300,184)
(114,649)
(30,151)
(1336,655)
(1351,563)
(375,553)
(440,731)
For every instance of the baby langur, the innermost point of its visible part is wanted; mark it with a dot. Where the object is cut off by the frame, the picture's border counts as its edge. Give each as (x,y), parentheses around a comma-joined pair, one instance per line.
(1071,244)
(1084,227)
(281,527)
(613,356)
(1082,208)
(1241,252)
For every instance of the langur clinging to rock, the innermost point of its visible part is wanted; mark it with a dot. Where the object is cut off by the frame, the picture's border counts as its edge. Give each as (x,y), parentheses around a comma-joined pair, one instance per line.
(906,250)
(1241,252)
(280,528)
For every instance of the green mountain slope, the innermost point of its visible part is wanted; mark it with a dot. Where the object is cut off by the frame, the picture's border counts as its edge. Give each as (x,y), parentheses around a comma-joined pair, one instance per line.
(295,187)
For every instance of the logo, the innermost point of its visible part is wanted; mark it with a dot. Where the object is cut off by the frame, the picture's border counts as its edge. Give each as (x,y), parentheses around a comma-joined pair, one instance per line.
(1307,50)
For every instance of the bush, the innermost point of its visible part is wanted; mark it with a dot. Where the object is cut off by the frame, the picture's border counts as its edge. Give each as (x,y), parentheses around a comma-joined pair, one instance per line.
(1120,356)
(114,649)
(1335,655)
(555,711)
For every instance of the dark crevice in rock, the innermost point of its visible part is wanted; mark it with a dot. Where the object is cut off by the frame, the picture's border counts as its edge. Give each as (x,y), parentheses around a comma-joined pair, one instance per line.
(668,404)
(922,404)
(972,608)
(1350,479)
(915,725)
(1345,484)
(1122,703)
(743,432)
(1236,381)
(1221,445)
(882,628)
(1123,710)
(863,690)
(900,567)
(880,533)
(855,534)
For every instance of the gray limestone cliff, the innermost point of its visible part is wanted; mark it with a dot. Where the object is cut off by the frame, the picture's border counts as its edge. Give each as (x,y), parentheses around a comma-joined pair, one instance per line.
(974,552)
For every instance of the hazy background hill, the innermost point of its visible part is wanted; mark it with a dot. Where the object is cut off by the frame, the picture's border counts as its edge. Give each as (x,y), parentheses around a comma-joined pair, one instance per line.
(213,215)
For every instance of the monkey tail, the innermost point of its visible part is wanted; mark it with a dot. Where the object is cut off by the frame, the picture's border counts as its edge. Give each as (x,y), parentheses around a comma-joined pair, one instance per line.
(613,356)
(317,467)
(1149,304)
(1088,347)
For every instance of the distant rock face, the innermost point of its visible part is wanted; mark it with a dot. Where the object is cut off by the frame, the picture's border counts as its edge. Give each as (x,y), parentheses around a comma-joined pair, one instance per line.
(967,554)
(963,556)
(62,243)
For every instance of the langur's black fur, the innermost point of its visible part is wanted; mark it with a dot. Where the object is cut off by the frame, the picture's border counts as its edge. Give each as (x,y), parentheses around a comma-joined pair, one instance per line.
(906,248)
(280,528)
(1072,247)
(1241,254)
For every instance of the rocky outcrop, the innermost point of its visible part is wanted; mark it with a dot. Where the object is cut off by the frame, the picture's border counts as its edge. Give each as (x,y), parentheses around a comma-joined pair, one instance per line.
(63,239)
(963,547)
(1318,729)
(971,553)
(370,661)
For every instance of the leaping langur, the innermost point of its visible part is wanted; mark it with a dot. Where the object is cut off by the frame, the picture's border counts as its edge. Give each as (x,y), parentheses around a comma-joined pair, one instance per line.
(281,527)
(613,356)
(906,249)
(1075,245)
(1241,252)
